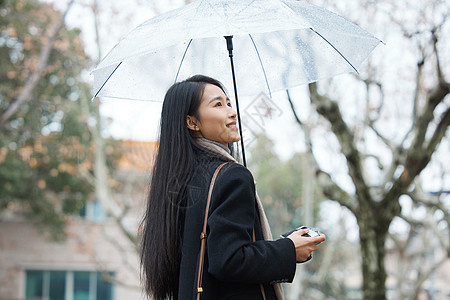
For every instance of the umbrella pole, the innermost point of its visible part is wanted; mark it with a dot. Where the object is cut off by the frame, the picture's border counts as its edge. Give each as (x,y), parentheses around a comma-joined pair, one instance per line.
(230,54)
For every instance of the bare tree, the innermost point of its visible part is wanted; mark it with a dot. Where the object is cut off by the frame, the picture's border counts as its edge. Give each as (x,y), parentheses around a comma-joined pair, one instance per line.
(374,197)
(419,252)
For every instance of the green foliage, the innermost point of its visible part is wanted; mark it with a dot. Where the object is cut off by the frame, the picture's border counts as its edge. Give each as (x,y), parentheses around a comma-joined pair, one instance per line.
(280,185)
(45,148)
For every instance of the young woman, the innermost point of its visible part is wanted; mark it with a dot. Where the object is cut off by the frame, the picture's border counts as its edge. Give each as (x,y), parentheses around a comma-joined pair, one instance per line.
(198,127)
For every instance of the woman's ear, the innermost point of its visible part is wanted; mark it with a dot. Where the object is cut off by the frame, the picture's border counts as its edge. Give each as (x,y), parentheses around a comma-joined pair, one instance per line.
(191,122)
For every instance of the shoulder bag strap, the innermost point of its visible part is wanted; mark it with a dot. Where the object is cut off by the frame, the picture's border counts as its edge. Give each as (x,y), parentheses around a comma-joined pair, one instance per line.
(203,234)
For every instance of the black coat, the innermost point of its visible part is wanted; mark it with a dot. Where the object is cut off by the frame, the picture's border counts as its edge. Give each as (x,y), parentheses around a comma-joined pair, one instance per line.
(234,265)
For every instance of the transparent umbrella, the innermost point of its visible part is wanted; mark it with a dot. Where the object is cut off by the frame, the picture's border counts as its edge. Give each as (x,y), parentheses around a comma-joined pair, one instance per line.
(278,44)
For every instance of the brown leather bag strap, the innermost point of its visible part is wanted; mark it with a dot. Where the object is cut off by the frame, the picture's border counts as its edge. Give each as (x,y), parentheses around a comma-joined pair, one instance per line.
(203,234)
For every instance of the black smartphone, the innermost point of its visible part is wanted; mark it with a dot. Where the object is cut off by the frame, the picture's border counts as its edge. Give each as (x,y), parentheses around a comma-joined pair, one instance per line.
(311,233)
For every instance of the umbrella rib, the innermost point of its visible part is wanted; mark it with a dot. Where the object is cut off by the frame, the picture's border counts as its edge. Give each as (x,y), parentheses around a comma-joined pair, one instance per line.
(336,50)
(99,90)
(262,66)
(182,59)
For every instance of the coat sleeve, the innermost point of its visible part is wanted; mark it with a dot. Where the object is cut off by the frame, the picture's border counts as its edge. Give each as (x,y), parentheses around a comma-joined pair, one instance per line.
(232,255)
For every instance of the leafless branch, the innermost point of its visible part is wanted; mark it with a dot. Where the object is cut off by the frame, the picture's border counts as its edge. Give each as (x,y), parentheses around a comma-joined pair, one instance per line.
(377,159)
(420,65)
(435,40)
(430,202)
(370,120)
(399,244)
(328,186)
(440,131)
(410,221)
(424,275)
(330,110)
(334,192)
(424,270)
(386,141)
(420,151)
(418,156)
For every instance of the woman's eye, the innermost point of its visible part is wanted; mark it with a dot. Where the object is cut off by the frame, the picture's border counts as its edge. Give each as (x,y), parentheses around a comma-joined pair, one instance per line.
(229,104)
(218,104)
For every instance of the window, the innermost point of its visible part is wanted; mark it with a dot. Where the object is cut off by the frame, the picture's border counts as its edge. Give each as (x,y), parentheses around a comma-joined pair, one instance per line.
(67,285)
(93,211)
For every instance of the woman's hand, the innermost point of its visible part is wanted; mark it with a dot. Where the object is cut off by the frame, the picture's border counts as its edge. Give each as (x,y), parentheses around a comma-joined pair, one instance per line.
(305,245)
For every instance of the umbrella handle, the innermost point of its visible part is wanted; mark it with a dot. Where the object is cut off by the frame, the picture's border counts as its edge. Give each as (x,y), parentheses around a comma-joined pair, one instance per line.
(229,40)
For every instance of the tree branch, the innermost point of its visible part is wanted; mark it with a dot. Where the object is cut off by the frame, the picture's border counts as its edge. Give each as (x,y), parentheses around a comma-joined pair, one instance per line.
(439,132)
(330,110)
(419,154)
(329,188)
(332,191)
(398,152)
(426,275)
(436,53)
(431,202)
(420,65)
(32,81)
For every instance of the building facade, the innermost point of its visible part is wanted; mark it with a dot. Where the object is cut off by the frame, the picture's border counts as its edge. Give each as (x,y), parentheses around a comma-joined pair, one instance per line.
(99,258)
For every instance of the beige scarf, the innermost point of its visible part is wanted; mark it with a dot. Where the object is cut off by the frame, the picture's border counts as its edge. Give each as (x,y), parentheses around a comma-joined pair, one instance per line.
(264,222)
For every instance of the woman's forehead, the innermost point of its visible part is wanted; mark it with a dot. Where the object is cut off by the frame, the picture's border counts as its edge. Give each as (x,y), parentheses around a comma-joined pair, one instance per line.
(212,92)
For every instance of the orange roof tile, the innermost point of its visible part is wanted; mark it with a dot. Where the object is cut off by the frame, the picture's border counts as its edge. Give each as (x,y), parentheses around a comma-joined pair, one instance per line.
(137,155)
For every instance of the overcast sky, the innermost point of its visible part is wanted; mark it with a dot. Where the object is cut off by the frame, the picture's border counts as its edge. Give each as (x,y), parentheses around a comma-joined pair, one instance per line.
(138,120)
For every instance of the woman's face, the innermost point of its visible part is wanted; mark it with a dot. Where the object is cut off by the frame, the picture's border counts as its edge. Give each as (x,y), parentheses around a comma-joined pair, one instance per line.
(217,120)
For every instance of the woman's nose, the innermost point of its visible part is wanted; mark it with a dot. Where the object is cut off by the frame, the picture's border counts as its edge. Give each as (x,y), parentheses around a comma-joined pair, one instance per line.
(232,113)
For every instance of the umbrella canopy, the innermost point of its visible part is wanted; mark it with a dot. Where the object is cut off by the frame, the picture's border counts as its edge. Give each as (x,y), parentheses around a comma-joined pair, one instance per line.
(278,44)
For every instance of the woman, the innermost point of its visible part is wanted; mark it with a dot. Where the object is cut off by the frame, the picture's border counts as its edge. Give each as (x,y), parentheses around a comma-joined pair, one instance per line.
(198,127)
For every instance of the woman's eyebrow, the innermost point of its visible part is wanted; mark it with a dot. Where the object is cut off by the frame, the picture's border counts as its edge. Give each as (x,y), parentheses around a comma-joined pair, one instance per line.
(218,98)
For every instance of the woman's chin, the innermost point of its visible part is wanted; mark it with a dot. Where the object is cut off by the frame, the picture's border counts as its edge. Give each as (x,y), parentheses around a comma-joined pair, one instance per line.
(236,139)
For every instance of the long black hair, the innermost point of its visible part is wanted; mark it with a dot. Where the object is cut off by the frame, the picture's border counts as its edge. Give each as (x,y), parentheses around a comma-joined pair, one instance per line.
(174,167)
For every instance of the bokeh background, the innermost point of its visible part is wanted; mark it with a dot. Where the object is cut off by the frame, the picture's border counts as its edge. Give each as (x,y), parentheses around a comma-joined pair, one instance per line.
(363,158)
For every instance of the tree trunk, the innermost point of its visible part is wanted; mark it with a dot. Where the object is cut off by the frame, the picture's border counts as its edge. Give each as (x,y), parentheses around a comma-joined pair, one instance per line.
(372,234)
